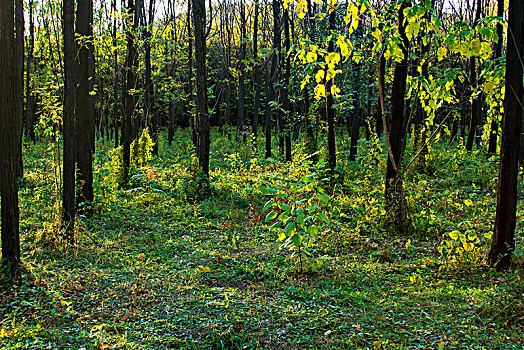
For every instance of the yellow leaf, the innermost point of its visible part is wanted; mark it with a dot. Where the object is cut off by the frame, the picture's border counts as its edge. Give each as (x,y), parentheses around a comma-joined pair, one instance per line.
(320,76)
(442,52)
(311,57)
(408,243)
(454,235)
(320,91)
(204,269)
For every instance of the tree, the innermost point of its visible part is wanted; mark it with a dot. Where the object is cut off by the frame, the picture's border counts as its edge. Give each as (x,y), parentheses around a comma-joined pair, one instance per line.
(84,156)
(129,98)
(10,124)
(503,242)
(497,53)
(69,100)
(330,111)
(473,82)
(202,117)
(395,201)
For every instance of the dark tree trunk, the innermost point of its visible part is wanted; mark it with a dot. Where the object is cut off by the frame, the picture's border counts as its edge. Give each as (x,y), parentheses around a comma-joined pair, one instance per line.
(241,121)
(84,156)
(129,97)
(285,89)
(330,111)
(355,129)
(30,114)
(202,117)
(117,105)
(473,122)
(256,75)
(10,125)
(395,201)
(503,243)
(69,102)
(382,87)
(19,23)
(492,145)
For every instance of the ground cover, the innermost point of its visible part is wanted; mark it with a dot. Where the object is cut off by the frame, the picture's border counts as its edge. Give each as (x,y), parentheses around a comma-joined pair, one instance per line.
(166,263)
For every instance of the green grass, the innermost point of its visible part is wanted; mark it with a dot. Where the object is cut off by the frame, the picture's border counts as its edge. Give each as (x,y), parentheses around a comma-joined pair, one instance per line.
(158,268)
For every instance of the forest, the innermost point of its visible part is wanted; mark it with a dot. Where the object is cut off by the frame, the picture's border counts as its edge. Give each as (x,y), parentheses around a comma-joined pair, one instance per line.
(261,174)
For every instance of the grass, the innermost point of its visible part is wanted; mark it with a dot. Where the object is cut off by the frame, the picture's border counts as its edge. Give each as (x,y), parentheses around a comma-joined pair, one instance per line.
(158,267)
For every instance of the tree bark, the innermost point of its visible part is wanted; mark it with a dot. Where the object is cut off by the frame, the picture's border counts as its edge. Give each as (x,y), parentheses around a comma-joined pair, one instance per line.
(84,155)
(330,111)
(202,116)
(69,120)
(497,53)
(395,201)
(473,122)
(130,84)
(503,243)
(10,124)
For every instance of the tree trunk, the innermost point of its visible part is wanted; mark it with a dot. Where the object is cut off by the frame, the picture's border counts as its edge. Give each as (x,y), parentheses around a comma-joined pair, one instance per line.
(241,121)
(395,200)
(473,81)
(202,116)
(84,156)
(30,114)
(503,243)
(130,84)
(285,89)
(330,111)
(10,124)
(69,119)
(492,145)
(256,76)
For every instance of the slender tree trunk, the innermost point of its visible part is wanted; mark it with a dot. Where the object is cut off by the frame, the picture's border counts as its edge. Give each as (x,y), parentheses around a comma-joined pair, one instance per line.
(30,114)
(129,96)
(285,89)
(503,243)
(330,111)
(241,121)
(19,23)
(84,156)
(395,201)
(256,75)
(10,124)
(473,81)
(382,87)
(69,120)
(202,119)
(492,145)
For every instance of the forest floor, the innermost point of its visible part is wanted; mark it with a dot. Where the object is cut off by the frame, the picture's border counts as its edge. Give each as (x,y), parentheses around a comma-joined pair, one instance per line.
(157,267)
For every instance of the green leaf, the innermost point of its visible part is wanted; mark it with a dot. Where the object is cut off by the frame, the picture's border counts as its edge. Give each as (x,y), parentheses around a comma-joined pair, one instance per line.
(323,197)
(281,236)
(285,207)
(312,230)
(296,239)
(323,217)
(271,215)
(268,205)
(290,226)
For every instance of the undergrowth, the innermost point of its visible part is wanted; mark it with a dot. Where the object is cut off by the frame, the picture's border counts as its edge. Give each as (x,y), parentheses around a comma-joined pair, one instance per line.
(167,262)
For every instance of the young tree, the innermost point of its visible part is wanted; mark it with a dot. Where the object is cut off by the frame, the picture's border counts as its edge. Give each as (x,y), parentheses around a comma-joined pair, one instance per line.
(330,111)
(395,201)
(497,53)
(202,117)
(10,124)
(84,156)
(503,242)
(69,100)
(129,98)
